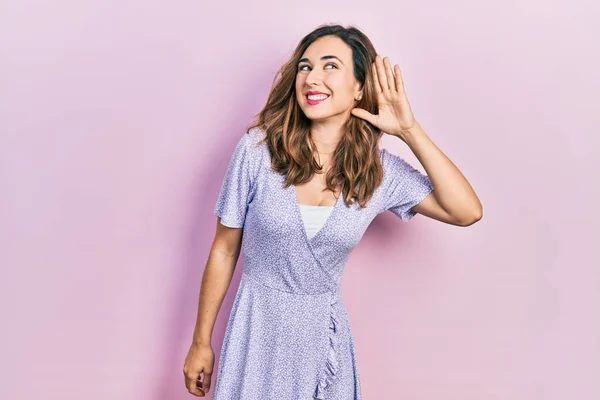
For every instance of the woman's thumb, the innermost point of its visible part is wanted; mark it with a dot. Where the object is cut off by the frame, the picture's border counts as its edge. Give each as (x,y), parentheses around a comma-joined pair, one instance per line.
(364,114)
(206,382)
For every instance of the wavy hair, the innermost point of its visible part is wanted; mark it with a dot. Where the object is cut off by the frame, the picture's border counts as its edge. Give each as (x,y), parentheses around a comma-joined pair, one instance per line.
(356,169)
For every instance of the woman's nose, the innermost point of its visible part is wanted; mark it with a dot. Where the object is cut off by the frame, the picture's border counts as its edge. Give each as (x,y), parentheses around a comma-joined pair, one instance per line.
(313,77)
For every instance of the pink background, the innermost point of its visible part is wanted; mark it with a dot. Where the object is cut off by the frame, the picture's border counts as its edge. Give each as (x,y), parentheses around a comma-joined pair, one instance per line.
(118,119)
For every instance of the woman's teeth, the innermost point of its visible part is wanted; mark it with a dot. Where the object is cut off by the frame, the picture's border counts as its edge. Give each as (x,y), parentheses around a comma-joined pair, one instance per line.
(317,97)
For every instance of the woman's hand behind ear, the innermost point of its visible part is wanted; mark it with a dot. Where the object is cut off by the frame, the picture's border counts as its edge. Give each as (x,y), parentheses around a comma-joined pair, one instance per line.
(395,114)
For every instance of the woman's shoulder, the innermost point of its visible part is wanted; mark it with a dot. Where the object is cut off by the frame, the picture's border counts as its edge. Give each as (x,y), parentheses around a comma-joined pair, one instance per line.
(252,143)
(394,165)
(255,148)
(255,136)
(388,159)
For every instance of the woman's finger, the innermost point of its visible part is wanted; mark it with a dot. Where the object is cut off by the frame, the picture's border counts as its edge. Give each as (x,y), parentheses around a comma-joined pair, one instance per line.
(364,114)
(378,89)
(191,383)
(399,80)
(391,81)
(206,382)
(381,75)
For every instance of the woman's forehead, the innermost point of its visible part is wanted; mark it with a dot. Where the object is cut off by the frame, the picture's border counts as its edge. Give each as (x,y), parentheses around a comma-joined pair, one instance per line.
(327,46)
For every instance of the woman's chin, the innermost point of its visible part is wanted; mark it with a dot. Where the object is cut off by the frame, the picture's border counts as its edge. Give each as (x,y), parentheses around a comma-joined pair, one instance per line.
(315,115)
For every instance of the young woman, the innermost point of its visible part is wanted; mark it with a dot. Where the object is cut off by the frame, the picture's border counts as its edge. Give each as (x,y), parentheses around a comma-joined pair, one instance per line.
(302,186)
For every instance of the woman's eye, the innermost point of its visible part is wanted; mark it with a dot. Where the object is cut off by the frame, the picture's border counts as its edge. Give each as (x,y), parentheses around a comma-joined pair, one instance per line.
(302,67)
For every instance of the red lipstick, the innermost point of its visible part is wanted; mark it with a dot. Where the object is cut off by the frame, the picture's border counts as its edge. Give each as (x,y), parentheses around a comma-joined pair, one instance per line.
(315,102)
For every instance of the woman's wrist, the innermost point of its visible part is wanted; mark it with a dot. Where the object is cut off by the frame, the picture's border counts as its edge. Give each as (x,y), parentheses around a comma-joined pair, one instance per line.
(201,342)
(415,132)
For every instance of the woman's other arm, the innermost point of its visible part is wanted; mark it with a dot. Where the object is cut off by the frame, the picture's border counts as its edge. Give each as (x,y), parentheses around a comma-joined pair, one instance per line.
(220,266)
(216,278)
(453,200)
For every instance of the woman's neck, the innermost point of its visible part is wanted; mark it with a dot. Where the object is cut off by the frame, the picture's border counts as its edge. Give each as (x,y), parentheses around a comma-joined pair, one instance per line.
(325,139)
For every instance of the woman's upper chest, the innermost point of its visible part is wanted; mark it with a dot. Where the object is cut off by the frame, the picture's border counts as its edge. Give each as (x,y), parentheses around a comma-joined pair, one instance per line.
(314,192)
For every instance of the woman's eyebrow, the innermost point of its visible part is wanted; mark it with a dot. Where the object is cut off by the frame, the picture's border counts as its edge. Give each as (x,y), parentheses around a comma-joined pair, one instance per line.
(322,58)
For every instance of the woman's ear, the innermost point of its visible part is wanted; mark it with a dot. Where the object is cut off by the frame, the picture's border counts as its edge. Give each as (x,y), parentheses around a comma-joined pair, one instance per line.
(360,94)
(360,88)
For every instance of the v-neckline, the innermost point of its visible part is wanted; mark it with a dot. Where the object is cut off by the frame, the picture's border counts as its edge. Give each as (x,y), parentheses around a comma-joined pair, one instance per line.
(301,221)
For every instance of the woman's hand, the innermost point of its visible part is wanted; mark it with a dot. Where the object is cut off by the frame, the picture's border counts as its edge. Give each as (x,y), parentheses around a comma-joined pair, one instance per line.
(200,359)
(395,115)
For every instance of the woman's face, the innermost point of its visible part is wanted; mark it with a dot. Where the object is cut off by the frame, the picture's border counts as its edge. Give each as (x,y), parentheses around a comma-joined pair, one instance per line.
(325,82)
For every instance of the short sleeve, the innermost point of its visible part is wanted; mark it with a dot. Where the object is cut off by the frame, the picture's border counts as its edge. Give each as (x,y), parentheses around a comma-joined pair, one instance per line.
(406,186)
(235,192)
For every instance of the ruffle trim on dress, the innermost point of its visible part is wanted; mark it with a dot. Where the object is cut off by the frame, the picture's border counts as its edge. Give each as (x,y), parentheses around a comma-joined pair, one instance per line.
(331,365)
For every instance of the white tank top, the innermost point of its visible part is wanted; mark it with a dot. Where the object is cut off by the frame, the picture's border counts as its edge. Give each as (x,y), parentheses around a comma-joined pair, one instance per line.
(314,217)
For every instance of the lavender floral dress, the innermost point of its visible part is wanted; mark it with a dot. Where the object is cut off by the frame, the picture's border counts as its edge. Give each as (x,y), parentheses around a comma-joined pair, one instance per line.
(288,335)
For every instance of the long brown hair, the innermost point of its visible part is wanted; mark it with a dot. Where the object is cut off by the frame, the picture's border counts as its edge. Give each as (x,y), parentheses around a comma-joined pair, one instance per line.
(356,167)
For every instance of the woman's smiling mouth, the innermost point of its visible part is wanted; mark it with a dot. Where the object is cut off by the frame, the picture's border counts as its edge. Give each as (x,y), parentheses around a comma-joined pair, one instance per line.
(314,98)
